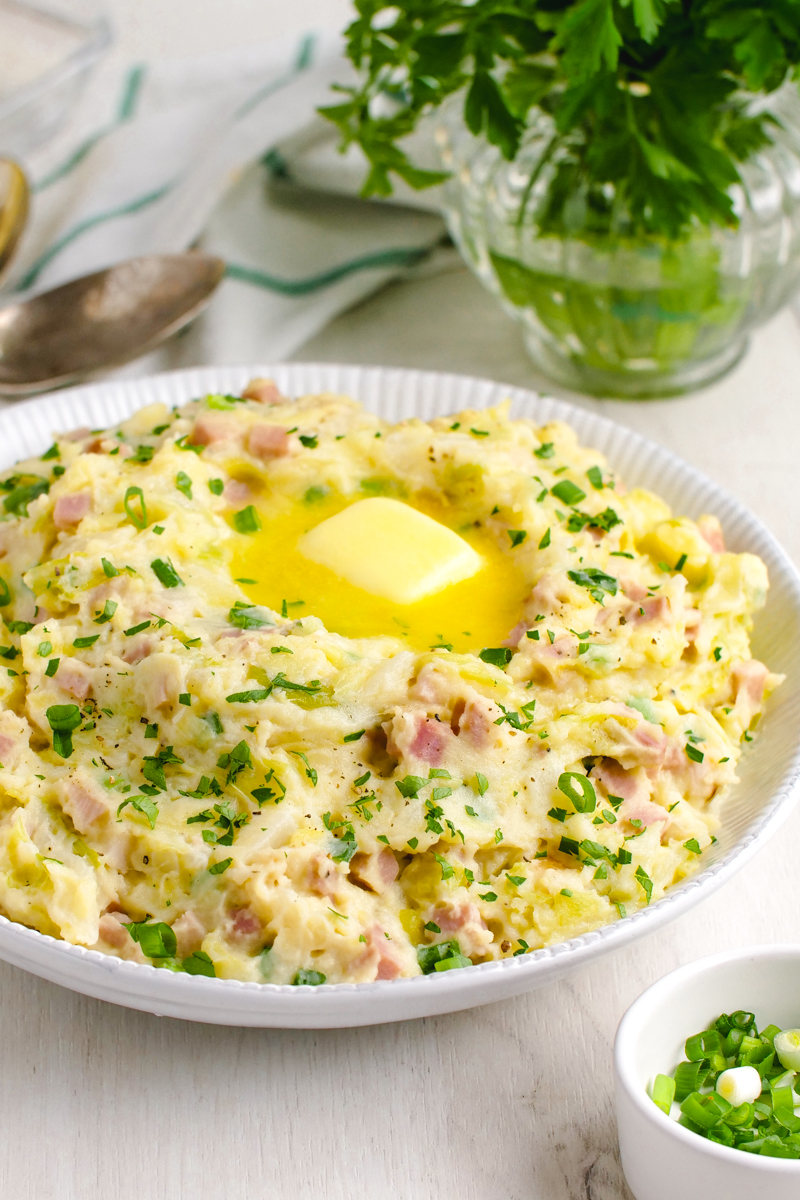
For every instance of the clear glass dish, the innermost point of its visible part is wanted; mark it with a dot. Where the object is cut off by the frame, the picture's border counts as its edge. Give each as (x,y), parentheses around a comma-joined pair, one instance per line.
(614,315)
(46,56)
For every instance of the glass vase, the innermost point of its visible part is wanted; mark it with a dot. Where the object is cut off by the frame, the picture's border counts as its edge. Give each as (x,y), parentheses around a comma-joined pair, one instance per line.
(616,315)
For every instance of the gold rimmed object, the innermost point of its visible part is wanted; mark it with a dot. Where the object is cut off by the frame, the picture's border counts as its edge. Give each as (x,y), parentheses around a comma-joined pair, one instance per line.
(14,199)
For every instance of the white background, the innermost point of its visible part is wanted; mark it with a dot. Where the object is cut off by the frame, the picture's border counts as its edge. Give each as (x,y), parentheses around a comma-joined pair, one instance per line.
(509,1102)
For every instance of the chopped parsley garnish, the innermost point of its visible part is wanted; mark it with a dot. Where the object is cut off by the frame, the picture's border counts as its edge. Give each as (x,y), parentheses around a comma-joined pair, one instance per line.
(490,896)
(82,643)
(165,572)
(498,656)
(143,804)
(242,617)
(137,515)
(482,783)
(63,719)
(693,846)
(429,956)
(447,870)
(514,719)
(693,753)
(109,569)
(645,881)
(216,486)
(109,608)
(579,790)
(199,963)
(517,536)
(479,432)
(717,653)
(185,698)
(247,520)
(546,450)
(184,484)
(558,814)
(156,938)
(17,501)
(568,492)
(53,452)
(410,786)
(134,629)
(605,520)
(308,978)
(595,581)
(219,867)
(52,667)
(595,477)
(354,737)
(309,440)
(545,540)
(44,649)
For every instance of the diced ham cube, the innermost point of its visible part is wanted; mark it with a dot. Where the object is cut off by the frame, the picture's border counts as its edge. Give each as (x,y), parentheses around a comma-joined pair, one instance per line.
(189,932)
(74,677)
(711,531)
(748,680)
(264,391)
(267,442)
(71,509)
(322,878)
(212,428)
(112,931)
(414,735)
(376,871)
(236,493)
(463,920)
(81,803)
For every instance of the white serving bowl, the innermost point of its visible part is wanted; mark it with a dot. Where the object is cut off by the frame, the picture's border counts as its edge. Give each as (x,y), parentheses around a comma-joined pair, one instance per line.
(768,771)
(662,1160)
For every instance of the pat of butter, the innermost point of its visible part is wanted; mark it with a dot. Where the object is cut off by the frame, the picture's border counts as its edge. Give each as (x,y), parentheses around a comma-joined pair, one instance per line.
(389,549)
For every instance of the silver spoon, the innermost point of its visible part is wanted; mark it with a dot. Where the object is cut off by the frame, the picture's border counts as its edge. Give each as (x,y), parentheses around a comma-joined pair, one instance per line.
(101,320)
(14,196)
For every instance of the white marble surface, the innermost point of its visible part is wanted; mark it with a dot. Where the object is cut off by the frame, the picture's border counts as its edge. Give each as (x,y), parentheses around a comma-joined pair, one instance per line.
(508,1102)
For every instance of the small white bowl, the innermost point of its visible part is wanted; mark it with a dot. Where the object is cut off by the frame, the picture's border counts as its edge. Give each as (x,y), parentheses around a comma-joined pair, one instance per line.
(661,1159)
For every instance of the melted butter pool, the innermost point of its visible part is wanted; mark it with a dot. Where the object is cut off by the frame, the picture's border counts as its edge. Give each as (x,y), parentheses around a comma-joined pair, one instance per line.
(468,616)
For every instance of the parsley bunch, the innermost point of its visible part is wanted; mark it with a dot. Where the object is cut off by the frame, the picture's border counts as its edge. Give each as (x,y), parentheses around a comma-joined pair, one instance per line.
(650,116)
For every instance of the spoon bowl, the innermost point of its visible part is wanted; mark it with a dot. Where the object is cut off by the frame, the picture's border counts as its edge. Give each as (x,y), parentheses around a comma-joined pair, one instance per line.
(101,320)
(14,198)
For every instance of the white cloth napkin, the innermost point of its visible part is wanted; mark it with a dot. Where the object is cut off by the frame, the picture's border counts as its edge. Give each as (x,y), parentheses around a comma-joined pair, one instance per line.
(170,154)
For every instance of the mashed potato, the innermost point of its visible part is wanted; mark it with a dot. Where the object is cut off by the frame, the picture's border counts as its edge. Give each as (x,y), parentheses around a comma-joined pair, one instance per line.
(218,757)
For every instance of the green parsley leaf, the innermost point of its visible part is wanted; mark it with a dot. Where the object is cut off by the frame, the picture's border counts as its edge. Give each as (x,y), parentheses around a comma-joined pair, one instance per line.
(44,649)
(109,570)
(546,450)
(482,784)
(199,963)
(219,867)
(307,978)
(354,737)
(247,520)
(136,515)
(545,541)
(109,608)
(184,484)
(82,643)
(568,492)
(517,536)
(693,753)
(499,656)
(595,477)
(166,574)
(310,441)
(216,486)
(52,667)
